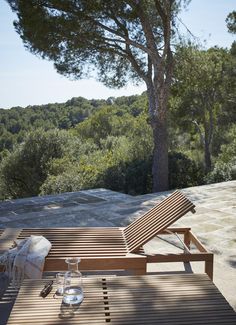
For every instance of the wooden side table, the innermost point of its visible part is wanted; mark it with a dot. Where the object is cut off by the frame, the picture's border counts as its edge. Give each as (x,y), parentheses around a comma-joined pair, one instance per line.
(148,299)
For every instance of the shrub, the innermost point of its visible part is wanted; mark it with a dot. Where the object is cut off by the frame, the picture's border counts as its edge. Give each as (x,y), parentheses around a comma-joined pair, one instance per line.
(222,172)
(25,169)
(225,166)
(183,171)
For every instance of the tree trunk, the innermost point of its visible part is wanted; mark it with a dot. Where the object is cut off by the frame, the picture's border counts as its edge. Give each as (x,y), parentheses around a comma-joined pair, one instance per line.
(158,113)
(160,157)
(208,130)
(158,81)
(207,156)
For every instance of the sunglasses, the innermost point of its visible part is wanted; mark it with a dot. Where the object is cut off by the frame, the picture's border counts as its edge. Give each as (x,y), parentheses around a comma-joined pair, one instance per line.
(46,289)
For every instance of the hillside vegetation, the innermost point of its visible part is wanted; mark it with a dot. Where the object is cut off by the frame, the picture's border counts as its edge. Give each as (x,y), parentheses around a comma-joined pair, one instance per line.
(84,144)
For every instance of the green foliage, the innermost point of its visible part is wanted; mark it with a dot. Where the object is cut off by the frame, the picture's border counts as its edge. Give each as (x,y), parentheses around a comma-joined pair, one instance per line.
(74,179)
(221,172)
(17,121)
(102,145)
(24,170)
(63,116)
(225,166)
(109,143)
(130,168)
(138,178)
(231,22)
(203,96)
(82,36)
(228,150)
(183,171)
(111,149)
(110,121)
(118,41)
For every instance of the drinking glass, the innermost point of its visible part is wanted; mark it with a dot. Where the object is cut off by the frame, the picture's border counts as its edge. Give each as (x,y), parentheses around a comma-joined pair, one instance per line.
(60,277)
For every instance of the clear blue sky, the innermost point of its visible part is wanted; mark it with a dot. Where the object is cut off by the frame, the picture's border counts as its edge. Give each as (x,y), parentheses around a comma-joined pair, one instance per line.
(28,80)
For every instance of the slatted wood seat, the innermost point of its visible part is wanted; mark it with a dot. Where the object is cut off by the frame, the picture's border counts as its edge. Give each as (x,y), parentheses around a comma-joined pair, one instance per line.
(175,299)
(113,248)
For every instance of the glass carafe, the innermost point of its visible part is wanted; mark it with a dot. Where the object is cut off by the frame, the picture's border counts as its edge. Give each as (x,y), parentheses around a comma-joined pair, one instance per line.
(73,290)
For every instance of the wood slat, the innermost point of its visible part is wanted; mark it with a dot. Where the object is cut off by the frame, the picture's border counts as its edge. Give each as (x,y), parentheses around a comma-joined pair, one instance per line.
(149,214)
(153,299)
(131,262)
(156,220)
(83,242)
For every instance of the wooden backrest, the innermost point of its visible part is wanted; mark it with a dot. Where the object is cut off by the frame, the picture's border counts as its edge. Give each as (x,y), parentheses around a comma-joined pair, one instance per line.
(156,220)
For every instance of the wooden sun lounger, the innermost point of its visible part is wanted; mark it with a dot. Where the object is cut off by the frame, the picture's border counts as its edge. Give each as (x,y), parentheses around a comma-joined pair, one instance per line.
(113,248)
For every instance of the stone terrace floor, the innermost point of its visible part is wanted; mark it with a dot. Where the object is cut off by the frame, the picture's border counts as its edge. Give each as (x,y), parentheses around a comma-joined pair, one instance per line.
(214,221)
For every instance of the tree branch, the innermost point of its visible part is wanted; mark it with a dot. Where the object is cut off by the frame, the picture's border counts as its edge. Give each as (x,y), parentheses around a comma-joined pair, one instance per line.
(127,40)
(150,39)
(200,132)
(134,63)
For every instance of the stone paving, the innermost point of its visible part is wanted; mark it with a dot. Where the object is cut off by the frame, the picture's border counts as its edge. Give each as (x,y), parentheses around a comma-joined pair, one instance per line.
(214,221)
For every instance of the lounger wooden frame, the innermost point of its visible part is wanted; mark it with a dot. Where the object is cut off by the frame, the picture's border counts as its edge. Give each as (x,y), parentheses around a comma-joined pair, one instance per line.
(113,248)
(198,253)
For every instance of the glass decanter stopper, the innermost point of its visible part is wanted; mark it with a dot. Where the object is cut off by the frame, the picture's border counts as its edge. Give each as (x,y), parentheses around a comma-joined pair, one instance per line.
(73,290)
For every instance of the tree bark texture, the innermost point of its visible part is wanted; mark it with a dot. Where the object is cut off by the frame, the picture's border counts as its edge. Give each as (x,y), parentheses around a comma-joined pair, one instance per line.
(158,117)
(160,158)
(208,133)
(158,89)
(207,156)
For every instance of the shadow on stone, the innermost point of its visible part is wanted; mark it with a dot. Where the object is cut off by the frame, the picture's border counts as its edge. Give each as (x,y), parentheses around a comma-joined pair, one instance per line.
(232,261)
